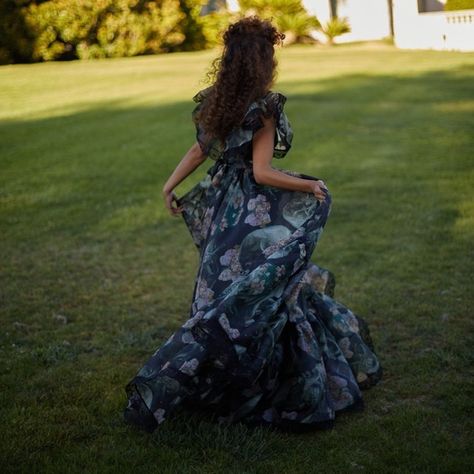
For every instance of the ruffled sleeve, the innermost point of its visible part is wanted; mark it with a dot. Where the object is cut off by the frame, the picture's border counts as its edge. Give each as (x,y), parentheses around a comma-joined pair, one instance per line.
(211,147)
(269,106)
(272,105)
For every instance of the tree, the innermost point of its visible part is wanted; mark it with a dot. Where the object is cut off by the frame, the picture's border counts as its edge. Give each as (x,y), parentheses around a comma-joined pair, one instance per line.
(390,17)
(46,30)
(335,27)
(290,17)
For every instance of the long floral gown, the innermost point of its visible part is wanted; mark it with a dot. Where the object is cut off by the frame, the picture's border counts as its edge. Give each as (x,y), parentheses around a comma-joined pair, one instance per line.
(265,343)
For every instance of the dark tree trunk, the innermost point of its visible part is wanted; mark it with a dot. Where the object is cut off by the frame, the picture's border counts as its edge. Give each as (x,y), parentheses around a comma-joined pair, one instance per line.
(390,17)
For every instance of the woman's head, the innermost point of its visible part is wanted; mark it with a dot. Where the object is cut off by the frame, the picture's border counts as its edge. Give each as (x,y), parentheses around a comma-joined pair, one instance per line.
(244,72)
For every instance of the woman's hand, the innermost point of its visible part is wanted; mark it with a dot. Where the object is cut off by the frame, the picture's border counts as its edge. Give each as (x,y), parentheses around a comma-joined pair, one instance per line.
(319,189)
(171,202)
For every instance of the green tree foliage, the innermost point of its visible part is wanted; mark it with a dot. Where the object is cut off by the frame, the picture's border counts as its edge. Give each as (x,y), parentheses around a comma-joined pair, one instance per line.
(44,30)
(191,25)
(335,27)
(459,5)
(16,42)
(289,16)
(213,25)
(104,28)
(203,24)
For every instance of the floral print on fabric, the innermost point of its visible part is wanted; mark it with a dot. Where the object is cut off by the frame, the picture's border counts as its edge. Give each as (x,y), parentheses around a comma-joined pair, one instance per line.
(258,208)
(265,341)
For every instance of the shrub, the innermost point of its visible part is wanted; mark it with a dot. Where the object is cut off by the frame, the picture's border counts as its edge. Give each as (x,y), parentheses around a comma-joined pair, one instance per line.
(297,27)
(45,30)
(16,42)
(214,24)
(290,17)
(335,27)
(66,29)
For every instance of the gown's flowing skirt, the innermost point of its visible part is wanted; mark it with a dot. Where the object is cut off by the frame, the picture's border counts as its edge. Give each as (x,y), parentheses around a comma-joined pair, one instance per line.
(265,342)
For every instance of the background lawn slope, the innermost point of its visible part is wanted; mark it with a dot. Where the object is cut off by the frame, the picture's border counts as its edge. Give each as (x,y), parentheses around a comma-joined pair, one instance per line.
(95,274)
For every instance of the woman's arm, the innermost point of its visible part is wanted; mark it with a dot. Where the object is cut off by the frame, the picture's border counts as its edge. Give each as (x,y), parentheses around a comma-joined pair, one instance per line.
(190,161)
(266,175)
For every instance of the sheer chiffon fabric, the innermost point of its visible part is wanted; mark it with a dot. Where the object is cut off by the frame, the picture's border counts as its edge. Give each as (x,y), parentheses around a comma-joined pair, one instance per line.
(265,342)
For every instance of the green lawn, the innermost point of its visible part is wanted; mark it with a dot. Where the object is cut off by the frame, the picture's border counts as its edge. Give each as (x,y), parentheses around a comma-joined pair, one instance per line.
(95,274)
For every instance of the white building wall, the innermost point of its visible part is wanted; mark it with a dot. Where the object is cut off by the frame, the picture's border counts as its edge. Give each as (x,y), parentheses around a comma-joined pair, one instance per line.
(369,19)
(233,5)
(435,30)
(319,8)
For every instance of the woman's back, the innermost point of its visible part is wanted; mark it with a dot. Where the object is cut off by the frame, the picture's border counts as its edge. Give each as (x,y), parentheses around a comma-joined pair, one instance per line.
(237,144)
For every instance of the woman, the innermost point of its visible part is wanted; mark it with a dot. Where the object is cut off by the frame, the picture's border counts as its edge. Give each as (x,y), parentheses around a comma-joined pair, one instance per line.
(265,343)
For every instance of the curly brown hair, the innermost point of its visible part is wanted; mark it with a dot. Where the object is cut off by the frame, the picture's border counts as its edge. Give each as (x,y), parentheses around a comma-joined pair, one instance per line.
(244,72)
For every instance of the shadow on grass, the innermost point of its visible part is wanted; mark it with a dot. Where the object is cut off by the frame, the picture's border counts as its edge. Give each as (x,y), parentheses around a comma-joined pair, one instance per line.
(103,169)
(84,190)
(84,230)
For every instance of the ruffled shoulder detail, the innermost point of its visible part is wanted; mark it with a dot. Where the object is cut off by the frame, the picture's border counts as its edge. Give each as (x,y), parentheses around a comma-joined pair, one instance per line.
(272,105)
(212,148)
(201,95)
(268,106)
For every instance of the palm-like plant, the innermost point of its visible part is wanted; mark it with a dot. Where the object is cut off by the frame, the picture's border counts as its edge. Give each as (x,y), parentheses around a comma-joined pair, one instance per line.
(335,27)
(289,16)
(266,8)
(297,28)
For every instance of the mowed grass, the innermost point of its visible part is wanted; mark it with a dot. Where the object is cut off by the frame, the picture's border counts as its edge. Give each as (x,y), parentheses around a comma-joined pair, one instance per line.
(95,275)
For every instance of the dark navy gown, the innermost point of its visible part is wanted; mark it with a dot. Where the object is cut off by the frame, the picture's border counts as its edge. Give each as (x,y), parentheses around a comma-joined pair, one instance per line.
(265,342)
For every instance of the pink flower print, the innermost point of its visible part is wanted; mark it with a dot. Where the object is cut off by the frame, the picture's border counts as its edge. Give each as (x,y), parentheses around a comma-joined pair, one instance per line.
(273,248)
(305,336)
(237,199)
(302,251)
(298,233)
(336,382)
(339,391)
(257,286)
(206,222)
(159,415)
(204,294)
(224,224)
(352,321)
(297,265)
(224,322)
(267,251)
(345,345)
(281,243)
(259,215)
(237,202)
(280,271)
(191,322)
(230,260)
(189,367)
(268,414)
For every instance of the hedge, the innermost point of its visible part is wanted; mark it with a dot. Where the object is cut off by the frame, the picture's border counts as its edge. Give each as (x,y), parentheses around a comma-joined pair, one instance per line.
(44,30)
